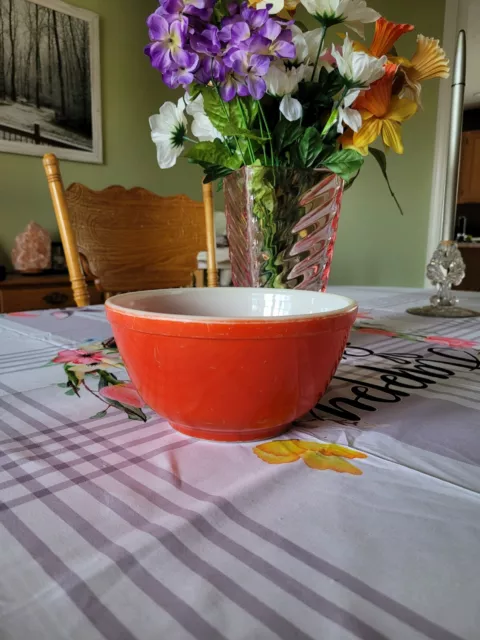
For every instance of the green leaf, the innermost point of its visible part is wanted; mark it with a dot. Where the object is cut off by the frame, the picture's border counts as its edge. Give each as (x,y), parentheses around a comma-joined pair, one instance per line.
(232,130)
(194,91)
(286,133)
(221,114)
(228,116)
(381,158)
(214,153)
(310,147)
(71,392)
(134,413)
(108,379)
(100,414)
(345,162)
(63,385)
(250,109)
(349,183)
(73,381)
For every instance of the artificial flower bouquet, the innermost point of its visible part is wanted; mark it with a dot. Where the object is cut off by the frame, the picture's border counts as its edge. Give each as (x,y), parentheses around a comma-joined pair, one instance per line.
(260,89)
(268,101)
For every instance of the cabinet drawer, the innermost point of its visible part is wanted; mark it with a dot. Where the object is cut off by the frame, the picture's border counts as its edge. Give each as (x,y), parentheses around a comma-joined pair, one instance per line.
(26,299)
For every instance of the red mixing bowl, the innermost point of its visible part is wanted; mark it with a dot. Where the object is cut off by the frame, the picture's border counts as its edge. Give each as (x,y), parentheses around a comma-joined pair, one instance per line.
(231,364)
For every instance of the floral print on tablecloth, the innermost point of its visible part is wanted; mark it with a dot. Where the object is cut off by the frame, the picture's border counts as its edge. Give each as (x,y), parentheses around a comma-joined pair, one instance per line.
(91,368)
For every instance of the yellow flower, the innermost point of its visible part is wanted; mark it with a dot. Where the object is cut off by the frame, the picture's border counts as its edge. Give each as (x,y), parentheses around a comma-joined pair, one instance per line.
(429,61)
(346,140)
(382,114)
(314,454)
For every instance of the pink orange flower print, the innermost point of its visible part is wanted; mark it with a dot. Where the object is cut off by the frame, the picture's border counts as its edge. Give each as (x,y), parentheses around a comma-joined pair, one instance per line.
(89,367)
(315,455)
(125,393)
(452,342)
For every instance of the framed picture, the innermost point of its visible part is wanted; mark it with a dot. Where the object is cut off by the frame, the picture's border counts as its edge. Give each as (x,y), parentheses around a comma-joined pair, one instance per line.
(50,80)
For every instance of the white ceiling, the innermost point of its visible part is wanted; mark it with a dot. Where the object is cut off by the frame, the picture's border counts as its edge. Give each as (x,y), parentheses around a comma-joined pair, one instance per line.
(470,21)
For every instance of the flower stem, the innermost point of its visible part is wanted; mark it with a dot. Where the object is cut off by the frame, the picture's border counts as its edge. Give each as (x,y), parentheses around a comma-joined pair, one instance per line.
(333,117)
(262,135)
(94,394)
(228,118)
(320,47)
(187,139)
(262,114)
(245,124)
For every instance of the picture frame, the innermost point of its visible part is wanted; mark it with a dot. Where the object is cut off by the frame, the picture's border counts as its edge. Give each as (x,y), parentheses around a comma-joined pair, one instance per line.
(53,102)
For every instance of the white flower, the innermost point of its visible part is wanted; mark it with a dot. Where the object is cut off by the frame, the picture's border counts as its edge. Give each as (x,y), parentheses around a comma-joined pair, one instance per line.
(357,67)
(277,5)
(350,117)
(168,131)
(194,105)
(312,40)
(354,13)
(282,81)
(300,43)
(291,108)
(307,44)
(202,128)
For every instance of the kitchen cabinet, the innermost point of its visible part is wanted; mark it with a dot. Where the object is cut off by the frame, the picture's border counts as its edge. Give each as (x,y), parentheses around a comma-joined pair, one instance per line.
(469,190)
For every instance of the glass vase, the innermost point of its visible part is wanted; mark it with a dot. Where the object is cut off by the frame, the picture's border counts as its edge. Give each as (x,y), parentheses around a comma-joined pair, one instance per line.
(282,225)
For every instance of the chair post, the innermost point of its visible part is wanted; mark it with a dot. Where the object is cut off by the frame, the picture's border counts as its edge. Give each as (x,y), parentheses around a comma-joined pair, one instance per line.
(212,273)
(57,193)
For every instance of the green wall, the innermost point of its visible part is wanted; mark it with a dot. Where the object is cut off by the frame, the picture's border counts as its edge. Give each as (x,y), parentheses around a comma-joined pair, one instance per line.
(375,246)
(131,92)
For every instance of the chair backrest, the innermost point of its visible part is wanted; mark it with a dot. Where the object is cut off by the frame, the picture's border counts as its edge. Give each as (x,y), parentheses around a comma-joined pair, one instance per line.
(128,239)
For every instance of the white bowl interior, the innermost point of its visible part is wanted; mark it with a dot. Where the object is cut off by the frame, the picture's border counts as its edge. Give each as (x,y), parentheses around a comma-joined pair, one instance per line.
(229,303)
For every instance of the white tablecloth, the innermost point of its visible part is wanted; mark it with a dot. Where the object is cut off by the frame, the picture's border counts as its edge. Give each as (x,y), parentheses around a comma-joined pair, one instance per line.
(362,522)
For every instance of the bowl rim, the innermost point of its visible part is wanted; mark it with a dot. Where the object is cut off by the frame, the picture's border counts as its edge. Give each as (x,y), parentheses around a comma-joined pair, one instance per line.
(111,305)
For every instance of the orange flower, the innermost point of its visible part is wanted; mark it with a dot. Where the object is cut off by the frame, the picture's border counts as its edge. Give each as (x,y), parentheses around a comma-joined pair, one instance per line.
(383,114)
(386,34)
(314,454)
(429,61)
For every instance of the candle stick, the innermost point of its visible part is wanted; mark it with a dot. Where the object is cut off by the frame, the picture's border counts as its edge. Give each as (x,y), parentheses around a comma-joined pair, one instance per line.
(447,268)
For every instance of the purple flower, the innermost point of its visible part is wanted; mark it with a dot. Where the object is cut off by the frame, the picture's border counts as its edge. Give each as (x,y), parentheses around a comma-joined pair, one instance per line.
(250,68)
(282,47)
(185,47)
(234,32)
(255,18)
(210,69)
(207,41)
(201,8)
(169,17)
(271,29)
(169,39)
(182,74)
(231,86)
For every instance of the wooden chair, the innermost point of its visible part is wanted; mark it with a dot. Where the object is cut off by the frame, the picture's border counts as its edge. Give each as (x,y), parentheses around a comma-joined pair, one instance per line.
(130,239)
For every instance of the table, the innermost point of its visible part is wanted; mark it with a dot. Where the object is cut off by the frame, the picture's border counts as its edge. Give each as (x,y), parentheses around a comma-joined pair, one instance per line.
(20,292)
(361,522)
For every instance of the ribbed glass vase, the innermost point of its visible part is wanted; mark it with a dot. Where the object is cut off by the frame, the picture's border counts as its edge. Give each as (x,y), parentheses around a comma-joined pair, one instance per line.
(282,225)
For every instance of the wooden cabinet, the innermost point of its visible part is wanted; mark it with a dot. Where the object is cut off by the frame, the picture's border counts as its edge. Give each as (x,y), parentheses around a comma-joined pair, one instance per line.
(26,293)
(471,256)
(469,190)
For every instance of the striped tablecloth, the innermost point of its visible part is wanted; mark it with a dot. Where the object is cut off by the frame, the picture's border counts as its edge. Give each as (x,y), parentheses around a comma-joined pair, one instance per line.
(362,522)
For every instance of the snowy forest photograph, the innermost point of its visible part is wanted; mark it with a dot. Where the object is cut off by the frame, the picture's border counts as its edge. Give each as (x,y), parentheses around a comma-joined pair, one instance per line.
(49,92)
